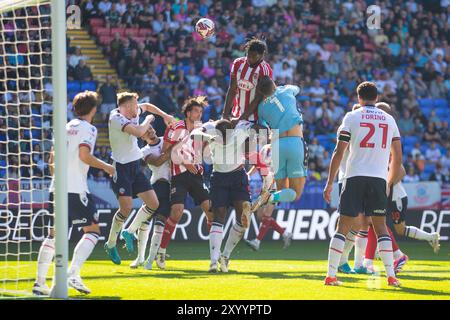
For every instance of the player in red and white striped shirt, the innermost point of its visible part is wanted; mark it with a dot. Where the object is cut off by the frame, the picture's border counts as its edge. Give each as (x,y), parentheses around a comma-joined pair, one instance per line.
(245,74)
(186,170)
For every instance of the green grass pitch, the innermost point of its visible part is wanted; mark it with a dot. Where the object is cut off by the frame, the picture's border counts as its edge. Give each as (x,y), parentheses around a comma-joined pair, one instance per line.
(271,273)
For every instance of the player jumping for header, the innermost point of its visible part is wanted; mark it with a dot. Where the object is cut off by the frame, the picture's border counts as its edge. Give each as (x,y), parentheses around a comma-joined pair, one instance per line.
(129,182)
(289,150)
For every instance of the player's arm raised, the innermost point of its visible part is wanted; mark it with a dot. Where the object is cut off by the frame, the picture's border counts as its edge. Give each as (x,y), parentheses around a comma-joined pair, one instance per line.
(139,130)
(168,119)
(229,99)
(86,156)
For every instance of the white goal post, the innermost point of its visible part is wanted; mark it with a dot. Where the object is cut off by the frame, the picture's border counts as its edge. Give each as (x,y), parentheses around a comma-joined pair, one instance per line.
(33,107)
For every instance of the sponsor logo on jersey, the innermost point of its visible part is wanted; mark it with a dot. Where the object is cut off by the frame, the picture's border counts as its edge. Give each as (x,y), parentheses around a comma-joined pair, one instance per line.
(245,85)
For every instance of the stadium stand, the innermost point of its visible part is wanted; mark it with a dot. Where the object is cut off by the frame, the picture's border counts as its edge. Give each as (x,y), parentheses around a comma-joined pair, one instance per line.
(327,41)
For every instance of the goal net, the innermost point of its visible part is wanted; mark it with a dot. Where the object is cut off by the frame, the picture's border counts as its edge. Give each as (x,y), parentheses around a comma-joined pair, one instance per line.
(26,140)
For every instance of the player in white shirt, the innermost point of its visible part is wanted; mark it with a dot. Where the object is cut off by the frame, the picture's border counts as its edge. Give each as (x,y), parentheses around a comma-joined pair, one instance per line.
(229,185)
(159,164)
(81,137)
(371,136)
(129,182)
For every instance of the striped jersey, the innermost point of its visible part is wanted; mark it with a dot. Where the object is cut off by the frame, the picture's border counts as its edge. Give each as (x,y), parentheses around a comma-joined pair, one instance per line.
(247,78)
(184,151)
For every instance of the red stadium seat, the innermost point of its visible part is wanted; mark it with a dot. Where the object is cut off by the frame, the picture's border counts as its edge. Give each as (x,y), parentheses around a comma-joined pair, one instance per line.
(369,47)
(96,22)
(132,32)
(120,31)
(105,40)
(139,39)
(100,31)
(172,50)
(144,31)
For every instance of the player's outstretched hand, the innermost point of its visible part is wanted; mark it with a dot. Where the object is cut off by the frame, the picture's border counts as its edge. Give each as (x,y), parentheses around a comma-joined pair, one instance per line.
(110,170)
(191,168)
(327,193)
(169,120)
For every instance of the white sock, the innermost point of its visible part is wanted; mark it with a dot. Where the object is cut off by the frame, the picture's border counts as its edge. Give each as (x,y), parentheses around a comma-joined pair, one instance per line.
(386,255)
(367,262)
(215,241)
(45,257)
(144,214)
(360,248)
(337,244)
(82,251)
(156,241)
(398,254)
(162,250)
(143,234)
(257,241)
(116,226)
(416,233)
(349,244)
(236,233)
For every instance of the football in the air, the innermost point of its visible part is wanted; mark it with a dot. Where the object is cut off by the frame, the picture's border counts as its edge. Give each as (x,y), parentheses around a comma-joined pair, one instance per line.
(205,28)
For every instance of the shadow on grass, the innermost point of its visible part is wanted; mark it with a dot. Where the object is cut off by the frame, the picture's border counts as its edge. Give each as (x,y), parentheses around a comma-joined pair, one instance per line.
(408,290)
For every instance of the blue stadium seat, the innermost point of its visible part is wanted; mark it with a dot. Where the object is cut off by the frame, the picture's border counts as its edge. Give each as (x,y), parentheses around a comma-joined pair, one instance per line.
(72,94)
(442,113)
(425,103)
(407,149)
(426,110)
(410,140)
(73,86)
(324,82)
(429,168)
(302,98)
(441,103)
(89,85)
(343,101)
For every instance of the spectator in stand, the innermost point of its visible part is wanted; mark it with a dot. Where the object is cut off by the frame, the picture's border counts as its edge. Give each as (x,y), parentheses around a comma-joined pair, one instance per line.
(433,153)
(416,152)
(431,133)
(75,58)
(83,72)
(313,174)
(439,175)
(315,149)
(406,124)
(411,176)
(437,88)
(104,7)
(108,93)
(112,16)
(316,92)
(121,7)
(445,161)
